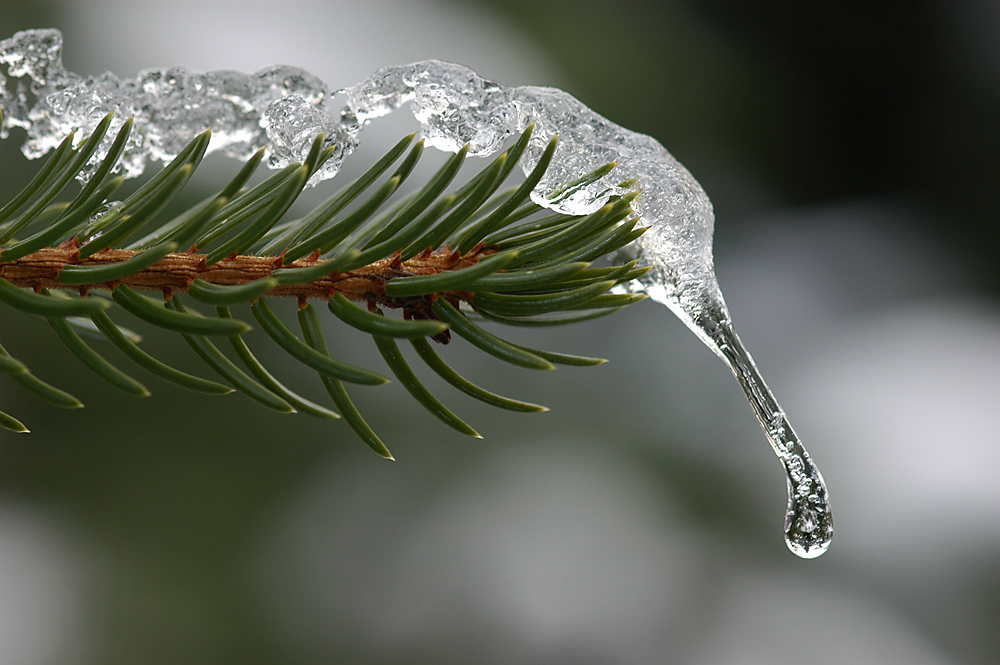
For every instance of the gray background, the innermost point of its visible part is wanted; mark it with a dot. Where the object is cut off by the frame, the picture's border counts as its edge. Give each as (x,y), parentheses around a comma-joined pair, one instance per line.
(851,153)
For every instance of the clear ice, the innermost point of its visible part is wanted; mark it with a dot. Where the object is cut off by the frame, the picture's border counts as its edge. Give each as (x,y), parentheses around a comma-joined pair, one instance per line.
(283,108)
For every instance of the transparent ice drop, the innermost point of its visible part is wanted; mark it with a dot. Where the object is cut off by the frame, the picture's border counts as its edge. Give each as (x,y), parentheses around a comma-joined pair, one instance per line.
(808,522)
(284,108)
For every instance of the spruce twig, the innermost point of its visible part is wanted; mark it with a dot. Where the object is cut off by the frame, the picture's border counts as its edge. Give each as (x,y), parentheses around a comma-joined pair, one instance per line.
(433,256)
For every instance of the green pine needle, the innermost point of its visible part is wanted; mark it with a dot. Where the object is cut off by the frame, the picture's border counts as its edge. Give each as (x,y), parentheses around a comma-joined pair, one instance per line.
(441,256)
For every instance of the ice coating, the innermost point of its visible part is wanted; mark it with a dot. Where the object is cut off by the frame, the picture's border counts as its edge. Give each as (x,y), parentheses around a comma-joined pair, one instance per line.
(170,107)
(284,108)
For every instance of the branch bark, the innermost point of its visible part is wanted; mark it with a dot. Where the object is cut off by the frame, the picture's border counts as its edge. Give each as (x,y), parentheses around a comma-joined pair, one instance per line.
(176,271)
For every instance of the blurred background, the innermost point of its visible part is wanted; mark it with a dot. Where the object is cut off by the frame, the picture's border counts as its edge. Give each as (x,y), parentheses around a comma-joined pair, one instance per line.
(852,152)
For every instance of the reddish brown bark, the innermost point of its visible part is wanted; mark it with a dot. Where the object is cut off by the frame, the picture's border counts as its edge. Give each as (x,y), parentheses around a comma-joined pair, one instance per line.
(176,271)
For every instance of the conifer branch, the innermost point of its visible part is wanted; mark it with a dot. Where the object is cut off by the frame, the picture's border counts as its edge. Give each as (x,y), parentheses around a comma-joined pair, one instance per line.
(433,255)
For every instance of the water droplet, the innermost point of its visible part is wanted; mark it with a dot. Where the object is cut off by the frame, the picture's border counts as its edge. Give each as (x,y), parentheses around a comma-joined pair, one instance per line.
(808,518)
(104,211)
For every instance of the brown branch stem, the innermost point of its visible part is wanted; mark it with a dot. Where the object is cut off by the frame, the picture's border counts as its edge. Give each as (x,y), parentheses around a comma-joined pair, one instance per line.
(176,271)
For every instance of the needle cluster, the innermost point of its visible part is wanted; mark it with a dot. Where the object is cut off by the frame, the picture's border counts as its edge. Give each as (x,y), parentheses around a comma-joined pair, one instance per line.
(417,267)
